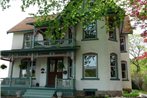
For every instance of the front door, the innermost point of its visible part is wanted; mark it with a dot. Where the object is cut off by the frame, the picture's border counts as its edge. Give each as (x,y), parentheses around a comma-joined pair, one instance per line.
(54,70)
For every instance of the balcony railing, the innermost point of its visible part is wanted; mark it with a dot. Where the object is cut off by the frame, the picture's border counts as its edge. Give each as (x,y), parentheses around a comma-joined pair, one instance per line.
(64,83)
(15,81)
(54,43)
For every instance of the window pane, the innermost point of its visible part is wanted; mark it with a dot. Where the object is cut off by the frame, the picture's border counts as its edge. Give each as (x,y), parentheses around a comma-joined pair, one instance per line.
(90,31)
(90,65)
(27,40)
(113,65)
(111,26)
(122,43)
(124,69)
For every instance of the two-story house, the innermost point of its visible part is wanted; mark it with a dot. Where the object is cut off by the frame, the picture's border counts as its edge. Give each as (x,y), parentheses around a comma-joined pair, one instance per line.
(87,61)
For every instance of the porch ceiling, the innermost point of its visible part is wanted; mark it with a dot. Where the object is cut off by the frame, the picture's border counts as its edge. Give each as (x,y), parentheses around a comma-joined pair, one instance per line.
(22,52)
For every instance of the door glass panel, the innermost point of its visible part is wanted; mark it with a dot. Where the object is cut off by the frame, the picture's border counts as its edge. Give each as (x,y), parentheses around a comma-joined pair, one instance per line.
(52,65)
(60,65)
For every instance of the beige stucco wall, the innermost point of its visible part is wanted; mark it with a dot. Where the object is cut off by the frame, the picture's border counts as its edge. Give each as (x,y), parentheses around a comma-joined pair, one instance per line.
(103,47)
(17,40)
(125,57)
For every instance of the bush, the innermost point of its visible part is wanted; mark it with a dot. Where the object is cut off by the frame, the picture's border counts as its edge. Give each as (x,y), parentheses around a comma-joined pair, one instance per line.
(132,94)
(144,86)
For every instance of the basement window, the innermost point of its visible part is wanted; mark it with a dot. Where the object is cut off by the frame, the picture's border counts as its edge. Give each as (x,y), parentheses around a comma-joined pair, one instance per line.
(90,92)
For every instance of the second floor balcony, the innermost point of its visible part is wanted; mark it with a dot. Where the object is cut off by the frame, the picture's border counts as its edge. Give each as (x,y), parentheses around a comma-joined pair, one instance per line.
(49,43)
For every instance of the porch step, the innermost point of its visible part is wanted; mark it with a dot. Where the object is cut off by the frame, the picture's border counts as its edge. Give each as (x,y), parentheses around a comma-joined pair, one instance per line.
(38,93)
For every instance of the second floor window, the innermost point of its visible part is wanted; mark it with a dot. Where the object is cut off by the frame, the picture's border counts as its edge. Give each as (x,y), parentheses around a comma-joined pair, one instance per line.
(111,28)
(89,31)
(27,40)
(122,43)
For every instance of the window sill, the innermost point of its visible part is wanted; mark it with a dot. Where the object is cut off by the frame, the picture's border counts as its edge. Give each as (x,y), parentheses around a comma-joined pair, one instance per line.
(90,79)
(125,79)
(123,51)
(112,40)
(89,39)
(117,79)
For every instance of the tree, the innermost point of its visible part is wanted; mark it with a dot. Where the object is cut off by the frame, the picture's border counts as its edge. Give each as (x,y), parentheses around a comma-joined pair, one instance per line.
(136,50)
(76,11)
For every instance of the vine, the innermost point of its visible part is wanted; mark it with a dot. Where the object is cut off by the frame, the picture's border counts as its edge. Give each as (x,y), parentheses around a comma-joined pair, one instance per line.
(81,11)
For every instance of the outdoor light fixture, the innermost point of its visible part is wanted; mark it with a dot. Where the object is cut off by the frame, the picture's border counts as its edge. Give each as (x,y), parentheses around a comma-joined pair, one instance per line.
(42,70)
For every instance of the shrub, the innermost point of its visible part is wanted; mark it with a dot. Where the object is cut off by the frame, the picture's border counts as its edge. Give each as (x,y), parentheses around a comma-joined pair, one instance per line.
(132,94)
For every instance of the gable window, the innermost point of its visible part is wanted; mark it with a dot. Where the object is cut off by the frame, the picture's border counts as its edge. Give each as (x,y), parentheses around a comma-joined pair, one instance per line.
(124,70)
(27,40)
(122,44)
(113,66)
(111,28)
(89,31)
(90,66)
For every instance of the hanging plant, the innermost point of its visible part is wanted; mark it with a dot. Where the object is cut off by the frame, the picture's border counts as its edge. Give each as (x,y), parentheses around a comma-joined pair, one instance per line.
(3,66)
(23,66)
(60,65)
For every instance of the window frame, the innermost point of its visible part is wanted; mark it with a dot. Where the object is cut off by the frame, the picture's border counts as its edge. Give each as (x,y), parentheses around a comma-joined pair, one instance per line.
(124,38)
(83,28)
(112,28)
(83,71)
(126,70)
(114,66)
(24,40)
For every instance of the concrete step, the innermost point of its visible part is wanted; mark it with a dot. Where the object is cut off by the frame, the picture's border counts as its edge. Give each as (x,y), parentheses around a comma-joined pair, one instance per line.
(35,93)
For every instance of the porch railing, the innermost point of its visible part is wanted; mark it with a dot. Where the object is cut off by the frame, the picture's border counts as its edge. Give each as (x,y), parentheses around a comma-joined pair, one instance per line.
(15,81)
(54,43)
(64,83)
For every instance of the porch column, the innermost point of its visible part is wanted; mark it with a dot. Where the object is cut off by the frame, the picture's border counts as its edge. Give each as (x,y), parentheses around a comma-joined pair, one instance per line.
(73,68)
(32,60)
(11,74)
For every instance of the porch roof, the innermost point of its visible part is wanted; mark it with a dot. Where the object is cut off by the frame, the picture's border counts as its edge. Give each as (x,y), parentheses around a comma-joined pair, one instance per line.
(7,53)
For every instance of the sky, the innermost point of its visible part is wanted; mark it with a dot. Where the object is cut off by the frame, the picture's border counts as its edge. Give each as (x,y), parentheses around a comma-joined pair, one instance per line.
(9,18)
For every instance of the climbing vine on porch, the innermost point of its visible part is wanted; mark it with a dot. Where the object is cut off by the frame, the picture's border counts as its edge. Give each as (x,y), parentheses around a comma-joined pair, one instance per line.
(74,12)
(81,11)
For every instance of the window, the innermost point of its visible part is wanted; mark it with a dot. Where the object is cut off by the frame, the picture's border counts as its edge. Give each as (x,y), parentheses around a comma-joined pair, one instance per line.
(27,40)
(25,68)
(69,67)
(122,44)
(111,28)
(89,31)
(90,65)
(124,70)
(113,66)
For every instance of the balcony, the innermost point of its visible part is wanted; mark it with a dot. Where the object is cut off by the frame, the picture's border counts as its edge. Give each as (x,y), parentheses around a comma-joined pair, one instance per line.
(50,43)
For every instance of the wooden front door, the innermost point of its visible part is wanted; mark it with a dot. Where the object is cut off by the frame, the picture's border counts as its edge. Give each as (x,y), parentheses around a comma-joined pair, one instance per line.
(54,71)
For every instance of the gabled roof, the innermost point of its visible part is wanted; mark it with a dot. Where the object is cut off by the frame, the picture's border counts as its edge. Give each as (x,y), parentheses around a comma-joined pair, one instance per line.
(23,25)
(127,29)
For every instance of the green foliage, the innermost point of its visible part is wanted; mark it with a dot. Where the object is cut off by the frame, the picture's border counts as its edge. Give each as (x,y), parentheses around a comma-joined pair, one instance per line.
(132,94)
(71,13)
(81,11)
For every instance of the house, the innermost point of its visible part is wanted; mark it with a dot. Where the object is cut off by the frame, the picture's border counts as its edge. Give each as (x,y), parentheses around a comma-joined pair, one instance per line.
(87,61)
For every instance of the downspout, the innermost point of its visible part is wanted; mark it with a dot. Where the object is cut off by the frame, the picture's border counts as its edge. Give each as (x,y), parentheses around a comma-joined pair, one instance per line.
(32,56)
(11,74)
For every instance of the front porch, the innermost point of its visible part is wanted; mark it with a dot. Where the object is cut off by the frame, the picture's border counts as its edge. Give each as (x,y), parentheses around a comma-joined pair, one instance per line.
(13,86)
